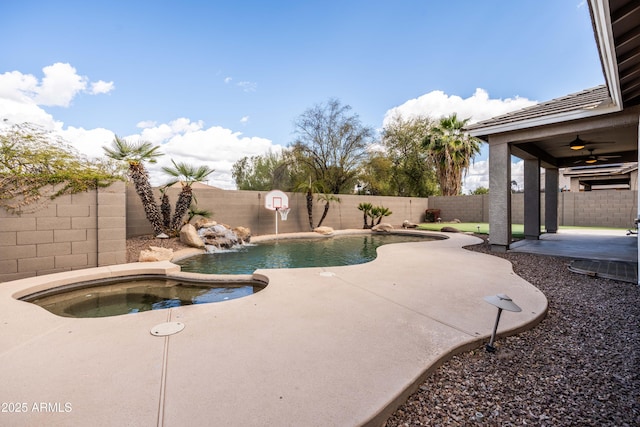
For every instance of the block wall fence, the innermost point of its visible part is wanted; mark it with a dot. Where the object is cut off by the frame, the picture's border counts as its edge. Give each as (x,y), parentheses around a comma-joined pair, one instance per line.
(602,208)
(69,233)
(246,208)
(90,229)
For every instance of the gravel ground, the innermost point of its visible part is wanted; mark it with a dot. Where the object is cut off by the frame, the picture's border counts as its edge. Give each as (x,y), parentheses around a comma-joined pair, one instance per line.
(579,367)
(136,244)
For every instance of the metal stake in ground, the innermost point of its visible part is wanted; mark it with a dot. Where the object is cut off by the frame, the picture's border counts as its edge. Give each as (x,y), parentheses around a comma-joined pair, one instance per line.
(503,302)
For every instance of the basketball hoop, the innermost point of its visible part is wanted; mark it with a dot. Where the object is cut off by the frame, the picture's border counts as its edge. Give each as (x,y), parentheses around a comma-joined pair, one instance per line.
(283,212)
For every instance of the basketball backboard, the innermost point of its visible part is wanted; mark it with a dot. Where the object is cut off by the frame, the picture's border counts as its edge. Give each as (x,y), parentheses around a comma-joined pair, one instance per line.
(275,200)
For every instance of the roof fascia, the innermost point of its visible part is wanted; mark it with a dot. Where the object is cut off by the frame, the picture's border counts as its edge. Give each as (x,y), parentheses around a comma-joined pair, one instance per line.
(544,120)
(601,15)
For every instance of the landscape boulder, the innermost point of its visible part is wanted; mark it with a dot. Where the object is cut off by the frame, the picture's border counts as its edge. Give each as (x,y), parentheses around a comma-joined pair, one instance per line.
(450,230)
(155,253)
(408,224)
(189,236)
(243,233)
(204,223)
(323,230)
(382,227)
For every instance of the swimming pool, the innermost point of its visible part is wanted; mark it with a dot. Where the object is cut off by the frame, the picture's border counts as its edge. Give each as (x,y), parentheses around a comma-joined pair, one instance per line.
(297,253)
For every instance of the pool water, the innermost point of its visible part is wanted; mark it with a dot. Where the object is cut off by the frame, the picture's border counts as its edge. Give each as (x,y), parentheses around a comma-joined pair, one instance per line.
(296,253)
(133,296)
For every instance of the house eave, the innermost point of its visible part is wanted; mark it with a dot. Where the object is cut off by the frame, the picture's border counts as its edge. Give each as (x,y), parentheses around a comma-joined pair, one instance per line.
(483,132)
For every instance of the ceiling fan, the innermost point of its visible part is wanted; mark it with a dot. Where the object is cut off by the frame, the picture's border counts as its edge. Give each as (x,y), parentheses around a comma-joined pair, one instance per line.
(592,158)
(579,144)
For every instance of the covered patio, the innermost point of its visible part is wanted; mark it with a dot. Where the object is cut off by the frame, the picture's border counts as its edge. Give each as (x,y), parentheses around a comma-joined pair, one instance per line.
(594,126)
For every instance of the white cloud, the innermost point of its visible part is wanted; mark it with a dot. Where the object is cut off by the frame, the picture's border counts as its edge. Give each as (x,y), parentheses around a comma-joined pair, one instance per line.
(216,147)
(100,87)
(60,84)
(478,175)
(227,80)
(88,141)
(146,124)
(244,119)
(477,107)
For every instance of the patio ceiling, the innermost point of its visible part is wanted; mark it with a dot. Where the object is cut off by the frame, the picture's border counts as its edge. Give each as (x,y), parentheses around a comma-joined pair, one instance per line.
(606,117)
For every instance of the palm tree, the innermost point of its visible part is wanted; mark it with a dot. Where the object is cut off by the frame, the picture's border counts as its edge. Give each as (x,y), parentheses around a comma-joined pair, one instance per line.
(165,208)
(194,211)
(309,188)
(186,175)
(366,210)
(379,212)
(452,151)
(327,199)
(135,154)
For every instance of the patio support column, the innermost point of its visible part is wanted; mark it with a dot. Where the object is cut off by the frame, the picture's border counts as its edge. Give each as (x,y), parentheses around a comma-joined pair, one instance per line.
(500,196)
(532,199)
(551,200)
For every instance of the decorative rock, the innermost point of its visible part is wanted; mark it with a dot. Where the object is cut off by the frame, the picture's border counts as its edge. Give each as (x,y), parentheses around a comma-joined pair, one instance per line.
(382,227)
(162,236)
(450,230)
(408,224)
(204,223)
(155,253)
(323,230)
(243,233)
(189,236)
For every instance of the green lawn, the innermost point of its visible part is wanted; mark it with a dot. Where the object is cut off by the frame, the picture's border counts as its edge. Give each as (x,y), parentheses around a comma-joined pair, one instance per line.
(517,230)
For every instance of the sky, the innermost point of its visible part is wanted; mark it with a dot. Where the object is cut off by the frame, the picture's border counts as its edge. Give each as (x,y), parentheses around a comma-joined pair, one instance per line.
(214,81)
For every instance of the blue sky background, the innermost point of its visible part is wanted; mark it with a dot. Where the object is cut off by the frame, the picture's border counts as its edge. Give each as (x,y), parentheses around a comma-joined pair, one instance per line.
(213,81)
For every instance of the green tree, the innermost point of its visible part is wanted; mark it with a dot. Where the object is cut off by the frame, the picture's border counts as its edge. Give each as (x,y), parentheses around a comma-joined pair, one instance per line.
(37,166)
(377,213)
(135,154)
(452,151)
(375,176)
(186,175)
(480,190)
(327,199)
(413,170)
(262,173)
(331,142)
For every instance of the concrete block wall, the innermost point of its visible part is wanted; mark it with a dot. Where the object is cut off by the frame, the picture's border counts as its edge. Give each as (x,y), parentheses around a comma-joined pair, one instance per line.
(71,232)
(606,208)
(601,208)
(246,208)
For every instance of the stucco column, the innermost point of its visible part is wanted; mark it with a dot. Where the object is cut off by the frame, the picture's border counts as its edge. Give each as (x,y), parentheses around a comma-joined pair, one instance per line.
(532,199)
(551,200)
(500,196)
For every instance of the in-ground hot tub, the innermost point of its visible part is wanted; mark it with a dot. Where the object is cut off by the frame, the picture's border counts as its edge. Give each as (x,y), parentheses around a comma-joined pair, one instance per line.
(133,294)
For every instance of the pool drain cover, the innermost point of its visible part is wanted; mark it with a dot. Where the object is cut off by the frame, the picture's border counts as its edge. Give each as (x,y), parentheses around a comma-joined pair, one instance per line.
(169,328)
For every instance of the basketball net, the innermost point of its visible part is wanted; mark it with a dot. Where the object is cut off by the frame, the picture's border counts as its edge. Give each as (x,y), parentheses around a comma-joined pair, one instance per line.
(283,213)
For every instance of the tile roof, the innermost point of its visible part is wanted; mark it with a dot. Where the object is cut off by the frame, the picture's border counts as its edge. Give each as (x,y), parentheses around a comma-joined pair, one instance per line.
(587,99)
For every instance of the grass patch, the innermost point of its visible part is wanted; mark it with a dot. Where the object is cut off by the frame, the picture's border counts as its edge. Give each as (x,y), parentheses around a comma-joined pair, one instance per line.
(517,230)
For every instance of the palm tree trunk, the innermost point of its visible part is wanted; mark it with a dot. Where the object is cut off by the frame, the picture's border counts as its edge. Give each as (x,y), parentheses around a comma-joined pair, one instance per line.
(165,209)
(310,208)
(182,207)
(140,180)
(324,213)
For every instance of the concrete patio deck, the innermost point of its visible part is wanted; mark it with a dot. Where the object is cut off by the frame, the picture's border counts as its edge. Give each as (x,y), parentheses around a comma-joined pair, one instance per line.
(612,254)
(334,346)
